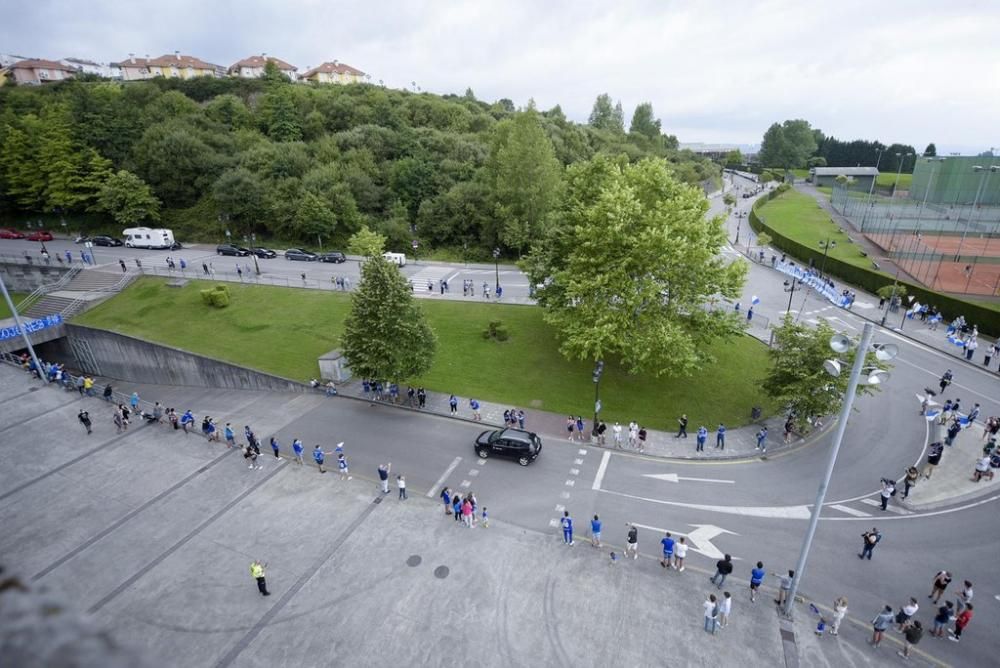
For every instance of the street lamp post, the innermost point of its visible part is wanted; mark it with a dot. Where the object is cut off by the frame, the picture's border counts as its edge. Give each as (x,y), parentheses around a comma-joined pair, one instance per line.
(840,344)
(827,245)
(975,202)
(496,265)
(740,215)
(20,328)
(598,370)
(871,190)
(790,289)
(889,305)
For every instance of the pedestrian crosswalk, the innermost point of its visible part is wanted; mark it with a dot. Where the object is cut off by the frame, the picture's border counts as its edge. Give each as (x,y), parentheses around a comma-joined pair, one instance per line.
(866,507)
(431,274)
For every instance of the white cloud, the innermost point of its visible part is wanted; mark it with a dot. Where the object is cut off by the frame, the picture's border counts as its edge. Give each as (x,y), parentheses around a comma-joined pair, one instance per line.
(913,72)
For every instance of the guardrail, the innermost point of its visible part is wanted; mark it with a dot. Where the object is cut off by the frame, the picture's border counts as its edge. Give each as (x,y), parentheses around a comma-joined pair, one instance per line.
(249,278)
(43,290)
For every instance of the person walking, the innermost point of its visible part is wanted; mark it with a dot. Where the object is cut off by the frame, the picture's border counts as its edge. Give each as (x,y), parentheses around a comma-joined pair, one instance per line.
(84,418)
(134,401)
(934,452)
(720,436)
(880,624)
(383,477)
(642,439)
(579,427)
(906,613)
(476,415)
(453,404)
(700,439)
(961,621)
(680,552)
(485,519)
(595,531)
(257,573)
(725,609)
(913,633)
(668,550)
(784,588)
(941,619)
(888,491)
(601,428)
(632,544)
(230,435)
(711,608)
(319,456)
(723,567)
(297,449)
(756,579)
(964,597)
(946,380)
(345,472)
(870,540)
(682,426)
(276,447)
(567,528)
(910,480)
(421,397)
(521,417)
(839,611)
(187,420)
(762,440)
(401,484)
(941,582)
(633,434)
(108,392)
(570,425)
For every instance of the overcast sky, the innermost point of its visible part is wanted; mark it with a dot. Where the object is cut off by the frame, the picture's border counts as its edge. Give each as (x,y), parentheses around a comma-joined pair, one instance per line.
(913,72)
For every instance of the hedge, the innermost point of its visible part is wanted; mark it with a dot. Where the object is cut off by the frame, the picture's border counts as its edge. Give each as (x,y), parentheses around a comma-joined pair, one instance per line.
(987,319)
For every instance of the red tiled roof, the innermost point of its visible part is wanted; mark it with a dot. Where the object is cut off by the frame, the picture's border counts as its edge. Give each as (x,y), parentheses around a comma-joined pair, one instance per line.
(334,68)
(259,61)
(39,64)
(170,60)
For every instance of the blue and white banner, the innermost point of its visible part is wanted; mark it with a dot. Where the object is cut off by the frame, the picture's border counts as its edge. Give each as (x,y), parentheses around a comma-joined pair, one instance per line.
(812,280)
(31,326)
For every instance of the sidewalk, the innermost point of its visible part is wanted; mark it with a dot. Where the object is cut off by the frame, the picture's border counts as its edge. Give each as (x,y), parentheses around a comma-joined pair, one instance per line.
(951,481)
(740,442)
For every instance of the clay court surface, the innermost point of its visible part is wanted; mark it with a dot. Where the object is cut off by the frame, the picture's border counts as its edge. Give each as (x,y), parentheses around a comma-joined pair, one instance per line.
(926,258)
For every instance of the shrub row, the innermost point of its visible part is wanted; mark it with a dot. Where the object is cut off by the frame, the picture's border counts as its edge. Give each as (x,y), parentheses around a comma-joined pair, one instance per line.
(217,296)
(987,319)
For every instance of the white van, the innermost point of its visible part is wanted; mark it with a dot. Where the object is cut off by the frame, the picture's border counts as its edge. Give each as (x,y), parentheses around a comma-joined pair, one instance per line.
(148,237)
(398,259)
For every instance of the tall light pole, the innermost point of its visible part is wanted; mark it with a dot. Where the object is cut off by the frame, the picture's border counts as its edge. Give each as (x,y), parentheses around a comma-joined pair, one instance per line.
(984,179)
(20,328)
(496,265)
(871,189)
(839,344)
(827,245)
(598,370)
(790,289)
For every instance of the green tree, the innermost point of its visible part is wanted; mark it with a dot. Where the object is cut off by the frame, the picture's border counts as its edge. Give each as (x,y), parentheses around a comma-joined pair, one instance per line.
(602,116)
(279,116)
(817,161)
(73,173)
(386,335)
(230,111)
(313,217)
(734,157)
(930,151)
(272,73)
(729,200)
(525,176)
(797,380)
(630,266)
(787,145)
(644,122)
(241,195)
(128,199)
(366,243)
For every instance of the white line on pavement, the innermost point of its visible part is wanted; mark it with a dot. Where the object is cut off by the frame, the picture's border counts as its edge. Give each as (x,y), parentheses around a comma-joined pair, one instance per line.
(574,471)
(432,492)
(601,470)
(774,512)
(578,462)
(850,511)
(581,452)
(891,509)
(570,483)
(673,477)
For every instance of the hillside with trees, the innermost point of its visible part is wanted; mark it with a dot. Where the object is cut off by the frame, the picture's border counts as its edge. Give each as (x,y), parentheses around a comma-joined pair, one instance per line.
(794,144)
(295,162)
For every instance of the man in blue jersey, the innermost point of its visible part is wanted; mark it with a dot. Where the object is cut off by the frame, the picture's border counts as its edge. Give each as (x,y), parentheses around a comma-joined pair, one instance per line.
(318,456)
(668,550)
(595,531)
(720,436)
(297,449)
(700,439)
(567,527)
(756,578)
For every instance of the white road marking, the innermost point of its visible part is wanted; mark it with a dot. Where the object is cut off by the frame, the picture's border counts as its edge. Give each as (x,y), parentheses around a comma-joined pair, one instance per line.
(481,462)
(897,360)
(601,469)
(564,495)
(832,319)
(432,492)
(700,539)
(570,483)
(890,508)
(465,483)
(581,452)
(578,462)
(560,507)
(673,477)
(473,472)
(850,511)
(553,523)
(574,471)
(773,512)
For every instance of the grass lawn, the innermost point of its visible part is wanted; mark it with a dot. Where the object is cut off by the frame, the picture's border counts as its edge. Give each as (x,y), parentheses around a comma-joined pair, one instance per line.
(14,297)
(284,331)
(886,179)
(800,173)
(800,217)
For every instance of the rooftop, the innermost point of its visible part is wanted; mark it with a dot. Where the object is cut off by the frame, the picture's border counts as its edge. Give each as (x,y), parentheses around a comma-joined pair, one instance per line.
(844,171)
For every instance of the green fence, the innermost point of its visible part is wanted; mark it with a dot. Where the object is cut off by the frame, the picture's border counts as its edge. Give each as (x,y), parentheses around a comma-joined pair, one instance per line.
(871,280)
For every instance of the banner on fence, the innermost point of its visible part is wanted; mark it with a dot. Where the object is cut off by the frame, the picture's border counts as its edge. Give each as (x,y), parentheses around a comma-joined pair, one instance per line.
(31,326)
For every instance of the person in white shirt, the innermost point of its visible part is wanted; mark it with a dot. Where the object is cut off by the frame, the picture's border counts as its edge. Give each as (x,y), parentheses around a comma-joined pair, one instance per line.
(711,611)
(616,431)
(680,551)
(839,611)
(725,607)
(906,613)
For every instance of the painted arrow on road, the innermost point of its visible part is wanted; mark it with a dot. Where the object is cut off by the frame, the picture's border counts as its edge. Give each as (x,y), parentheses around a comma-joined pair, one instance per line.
(700,539)
(673,477)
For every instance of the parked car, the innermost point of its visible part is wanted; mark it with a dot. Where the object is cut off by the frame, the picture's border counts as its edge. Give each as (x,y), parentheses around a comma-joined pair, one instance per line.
(299,254)
(102,240)
(176,245)
(263,253)
(10,233)
(40,235)
(229,249)
(523,446)
(333,256)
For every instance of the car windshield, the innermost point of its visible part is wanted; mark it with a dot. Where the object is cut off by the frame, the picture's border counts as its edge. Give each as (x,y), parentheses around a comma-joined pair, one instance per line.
(494,435)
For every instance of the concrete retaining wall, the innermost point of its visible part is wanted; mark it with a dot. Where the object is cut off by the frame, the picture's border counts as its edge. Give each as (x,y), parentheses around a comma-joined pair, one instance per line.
(23,277)
(103,353)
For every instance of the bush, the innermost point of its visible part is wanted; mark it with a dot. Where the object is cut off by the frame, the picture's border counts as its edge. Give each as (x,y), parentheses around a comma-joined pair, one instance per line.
(218,296)
(495,330)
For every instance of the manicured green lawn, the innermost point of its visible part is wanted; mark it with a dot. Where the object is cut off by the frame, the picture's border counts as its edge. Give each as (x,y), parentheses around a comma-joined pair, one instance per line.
(14,297)
(284,331)
(800,173)
(800,217)
(886,179)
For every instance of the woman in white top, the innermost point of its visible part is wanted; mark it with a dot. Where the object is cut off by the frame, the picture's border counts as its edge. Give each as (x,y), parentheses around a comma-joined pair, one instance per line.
(725,607)
(839,610)
(680,551)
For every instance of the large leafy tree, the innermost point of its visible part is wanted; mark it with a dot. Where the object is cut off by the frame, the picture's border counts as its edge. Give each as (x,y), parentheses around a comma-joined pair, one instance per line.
(366,243)
(797,380)
(386,335)
(606,116)
(525,176)
(645,122)
(930,151)
(629,268)
(128,199)
(788,144)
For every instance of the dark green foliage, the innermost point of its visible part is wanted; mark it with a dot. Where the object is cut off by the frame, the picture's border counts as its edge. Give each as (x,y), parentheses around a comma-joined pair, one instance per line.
(218,297)
(496,331)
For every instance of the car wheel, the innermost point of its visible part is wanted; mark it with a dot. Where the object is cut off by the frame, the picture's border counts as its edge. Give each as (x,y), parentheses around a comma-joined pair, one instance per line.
(483,453)
(523,461)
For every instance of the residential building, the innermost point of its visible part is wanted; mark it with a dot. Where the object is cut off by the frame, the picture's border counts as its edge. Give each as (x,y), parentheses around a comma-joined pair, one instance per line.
(335,72)
(176,66)
(104,70)
(253,67)
(39,71)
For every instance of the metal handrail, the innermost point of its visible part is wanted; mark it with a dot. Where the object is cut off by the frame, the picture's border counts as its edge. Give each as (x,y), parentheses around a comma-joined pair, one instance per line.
(42,290)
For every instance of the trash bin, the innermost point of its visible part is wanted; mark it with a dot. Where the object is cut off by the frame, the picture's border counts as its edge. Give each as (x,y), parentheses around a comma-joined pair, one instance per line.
(755,413)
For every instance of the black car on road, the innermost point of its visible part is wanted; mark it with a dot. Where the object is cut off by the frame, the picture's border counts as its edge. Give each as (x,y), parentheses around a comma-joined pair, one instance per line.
(333,256)
(299,254)
(229,249)
(517,444)
(102,240)
(263,253)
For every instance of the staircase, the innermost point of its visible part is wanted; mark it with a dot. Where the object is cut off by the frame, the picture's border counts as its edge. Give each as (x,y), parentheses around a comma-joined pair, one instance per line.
(85,288)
